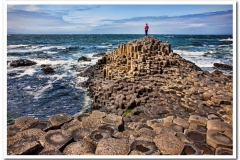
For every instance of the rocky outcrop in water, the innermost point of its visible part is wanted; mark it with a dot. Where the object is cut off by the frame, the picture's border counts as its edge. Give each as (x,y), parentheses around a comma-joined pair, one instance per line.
(147,100)
(83,59)
(222,66)
(99,54)
(22,62)
(47,69)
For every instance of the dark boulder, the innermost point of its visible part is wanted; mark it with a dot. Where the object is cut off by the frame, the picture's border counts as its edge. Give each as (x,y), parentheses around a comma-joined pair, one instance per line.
(22,62)
(217,73)
(48,70)
(12,74)
(83,59)
(45,65)
(99,54)
(222,66)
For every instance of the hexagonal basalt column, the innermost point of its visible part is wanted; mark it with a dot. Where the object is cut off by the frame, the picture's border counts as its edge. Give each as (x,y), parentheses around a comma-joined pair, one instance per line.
(223,151)
(218,139)
(207,150)
(218,125)
(50,151)
(12,130)
(198,120)
(25,122)
(191,149)
(112,146)
(56,138)
(195,136)
(145,147)
(25,142)
(58,120)
(79,148)
(41,124)
(96,136)
(79,133)
(25,147)
(169,144)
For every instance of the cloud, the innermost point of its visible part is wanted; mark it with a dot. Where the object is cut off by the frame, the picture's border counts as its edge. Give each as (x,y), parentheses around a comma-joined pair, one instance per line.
(86,7)
(31,8)
(200,16)
(195,25)
(94,19)
(199,23)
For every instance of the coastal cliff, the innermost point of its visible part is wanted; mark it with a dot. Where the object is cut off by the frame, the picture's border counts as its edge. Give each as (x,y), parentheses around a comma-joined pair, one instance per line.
(147,100)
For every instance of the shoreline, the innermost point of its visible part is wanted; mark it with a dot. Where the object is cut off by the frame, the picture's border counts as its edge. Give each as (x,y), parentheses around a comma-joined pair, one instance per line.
(141,92)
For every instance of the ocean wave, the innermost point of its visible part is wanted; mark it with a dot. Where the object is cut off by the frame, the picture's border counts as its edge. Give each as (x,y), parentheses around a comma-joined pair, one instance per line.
(103,46)
(61,47)
(39,92)
(49,52)
(33,48)
(182,52)
(203,62)
(229,39)
(27,71)
(169,36)
(224,45)
(17,46)
(211,45)
(73,48)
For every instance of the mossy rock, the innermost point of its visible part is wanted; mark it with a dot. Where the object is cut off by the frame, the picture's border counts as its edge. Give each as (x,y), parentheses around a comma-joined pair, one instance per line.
(127,112)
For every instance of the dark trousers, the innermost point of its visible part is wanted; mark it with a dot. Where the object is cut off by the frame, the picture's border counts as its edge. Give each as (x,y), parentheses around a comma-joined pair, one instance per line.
(146,32)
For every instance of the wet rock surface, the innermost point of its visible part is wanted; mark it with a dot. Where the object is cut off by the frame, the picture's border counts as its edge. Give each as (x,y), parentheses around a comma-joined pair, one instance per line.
(47,69)
(222,66)
(147,100)
(83,59)
(99,54)
(22,62)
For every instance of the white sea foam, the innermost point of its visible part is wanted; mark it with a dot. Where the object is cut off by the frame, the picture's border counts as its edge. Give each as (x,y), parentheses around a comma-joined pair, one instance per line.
(81,79)
(202,64)
(28,71)
(17,46)
(49,52)
(211,45)
(169,36)
(58,76)
(28,87)
(223,45)
(181,52)
(55,62)
(34,48)
(229,39)
(102,46)
(89,55)
(86,104)
(202,61)
(39,92)
(61,47)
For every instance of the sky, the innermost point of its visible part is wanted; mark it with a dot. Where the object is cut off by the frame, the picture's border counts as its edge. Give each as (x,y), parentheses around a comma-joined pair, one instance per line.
(119,19)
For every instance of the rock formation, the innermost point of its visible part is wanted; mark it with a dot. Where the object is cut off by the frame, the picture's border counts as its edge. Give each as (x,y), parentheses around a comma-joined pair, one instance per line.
(83,59)
(22,62)
(222,66)
(147,100)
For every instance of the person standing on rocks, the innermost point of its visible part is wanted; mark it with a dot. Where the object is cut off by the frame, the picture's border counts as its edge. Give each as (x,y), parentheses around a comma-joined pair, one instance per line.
(146,30)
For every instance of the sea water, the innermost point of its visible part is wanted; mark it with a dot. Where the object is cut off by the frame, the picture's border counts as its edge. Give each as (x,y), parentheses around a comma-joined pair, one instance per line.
(32,93)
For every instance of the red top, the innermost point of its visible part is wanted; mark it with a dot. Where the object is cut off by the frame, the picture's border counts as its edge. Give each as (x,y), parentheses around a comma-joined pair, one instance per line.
(146,27)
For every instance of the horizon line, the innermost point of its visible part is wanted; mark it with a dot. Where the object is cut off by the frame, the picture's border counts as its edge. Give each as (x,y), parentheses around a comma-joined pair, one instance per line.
(109,34)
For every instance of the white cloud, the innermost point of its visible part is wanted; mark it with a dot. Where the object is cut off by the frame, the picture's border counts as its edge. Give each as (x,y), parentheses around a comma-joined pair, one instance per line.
(31,8)
(195,25)
(82,19)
